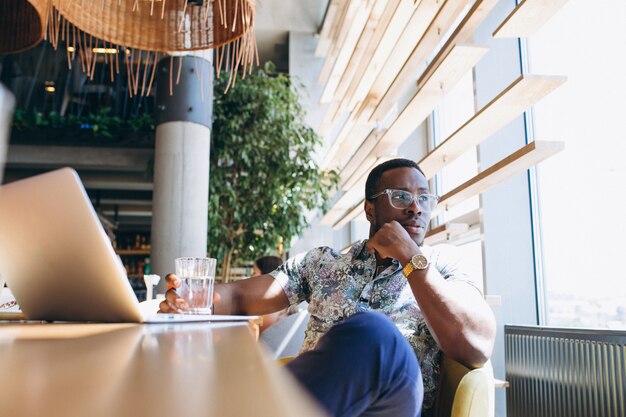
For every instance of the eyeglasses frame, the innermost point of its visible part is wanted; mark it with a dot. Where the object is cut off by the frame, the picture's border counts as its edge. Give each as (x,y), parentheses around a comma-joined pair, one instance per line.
(415,198)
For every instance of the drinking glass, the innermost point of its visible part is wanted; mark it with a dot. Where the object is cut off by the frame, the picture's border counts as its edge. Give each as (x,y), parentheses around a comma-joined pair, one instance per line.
(197,276)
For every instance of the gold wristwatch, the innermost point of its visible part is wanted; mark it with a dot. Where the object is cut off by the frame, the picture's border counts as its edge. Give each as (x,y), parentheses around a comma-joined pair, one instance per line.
(418,261)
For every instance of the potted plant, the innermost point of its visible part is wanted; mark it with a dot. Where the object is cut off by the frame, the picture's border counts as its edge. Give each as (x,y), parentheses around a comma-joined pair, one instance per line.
(264,181)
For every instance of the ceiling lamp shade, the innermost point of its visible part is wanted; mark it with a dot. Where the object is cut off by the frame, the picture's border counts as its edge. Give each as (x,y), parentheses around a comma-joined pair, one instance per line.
(22,24)
(98,31)
(147,29)
(161,25)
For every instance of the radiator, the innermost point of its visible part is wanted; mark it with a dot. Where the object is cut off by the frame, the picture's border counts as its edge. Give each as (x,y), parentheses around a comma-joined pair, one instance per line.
(565,372)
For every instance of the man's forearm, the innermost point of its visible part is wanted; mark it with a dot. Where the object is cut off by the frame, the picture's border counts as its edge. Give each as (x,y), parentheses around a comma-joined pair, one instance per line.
(252,296)
(461,321)
(224,303)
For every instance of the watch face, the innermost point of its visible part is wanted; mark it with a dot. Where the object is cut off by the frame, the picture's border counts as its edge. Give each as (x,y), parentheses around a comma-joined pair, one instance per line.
(420,261)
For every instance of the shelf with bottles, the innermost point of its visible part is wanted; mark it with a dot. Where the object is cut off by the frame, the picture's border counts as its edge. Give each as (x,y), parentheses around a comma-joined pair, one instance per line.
(134,250)
(136,266)
(132,244)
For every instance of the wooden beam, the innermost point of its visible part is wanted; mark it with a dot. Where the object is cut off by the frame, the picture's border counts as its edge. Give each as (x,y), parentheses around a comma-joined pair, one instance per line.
(449,71)
(443,20)
(350,136)
(345,203)
(445,232)
(392,23)
(327,121)
(356,24)
(446,72)
(353,194)
(400,73)
(517,162)
(355,213)
(423,32)
(510,103)
(463,32)
(436,231)
(453,228)
(388,27)
(405,20)
(527,18)
(367,166)
(363,49)
(339,37)
(330,22)
(331,216)
(354,168)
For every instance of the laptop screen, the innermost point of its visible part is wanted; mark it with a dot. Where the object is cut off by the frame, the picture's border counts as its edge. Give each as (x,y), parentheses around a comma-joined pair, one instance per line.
(55,255)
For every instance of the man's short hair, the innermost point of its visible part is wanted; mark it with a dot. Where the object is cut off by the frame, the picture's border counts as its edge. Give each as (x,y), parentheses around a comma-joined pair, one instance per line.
(371,185)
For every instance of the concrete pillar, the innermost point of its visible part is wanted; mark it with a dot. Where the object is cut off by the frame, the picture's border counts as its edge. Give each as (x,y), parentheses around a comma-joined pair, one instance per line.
(181,162)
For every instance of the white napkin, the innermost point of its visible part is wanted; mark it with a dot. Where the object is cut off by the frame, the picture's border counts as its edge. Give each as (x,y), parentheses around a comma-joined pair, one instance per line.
(151,281)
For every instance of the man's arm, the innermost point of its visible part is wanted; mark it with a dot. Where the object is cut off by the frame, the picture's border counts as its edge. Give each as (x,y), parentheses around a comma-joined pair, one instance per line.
(459,318)
(253,296)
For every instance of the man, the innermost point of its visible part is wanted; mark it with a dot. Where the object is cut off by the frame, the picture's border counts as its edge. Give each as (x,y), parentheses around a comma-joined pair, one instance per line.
(432,304)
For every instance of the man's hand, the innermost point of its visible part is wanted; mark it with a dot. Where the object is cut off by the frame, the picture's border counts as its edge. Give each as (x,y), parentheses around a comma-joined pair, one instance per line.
(173,303)
(393,241)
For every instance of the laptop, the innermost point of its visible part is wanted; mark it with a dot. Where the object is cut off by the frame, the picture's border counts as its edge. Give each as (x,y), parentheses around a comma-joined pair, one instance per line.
(58,261)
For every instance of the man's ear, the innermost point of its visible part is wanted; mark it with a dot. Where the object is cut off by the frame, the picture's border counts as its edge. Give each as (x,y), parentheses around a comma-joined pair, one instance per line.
(369,211)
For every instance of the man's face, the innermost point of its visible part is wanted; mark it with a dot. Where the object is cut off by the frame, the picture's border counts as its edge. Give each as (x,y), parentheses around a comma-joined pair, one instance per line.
(413,218)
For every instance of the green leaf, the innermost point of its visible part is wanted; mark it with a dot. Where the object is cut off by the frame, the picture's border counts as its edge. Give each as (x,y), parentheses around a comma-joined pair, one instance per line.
(262,172)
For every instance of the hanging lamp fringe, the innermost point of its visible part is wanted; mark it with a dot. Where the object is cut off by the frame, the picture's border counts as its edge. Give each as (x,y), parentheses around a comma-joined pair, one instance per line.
(132,32)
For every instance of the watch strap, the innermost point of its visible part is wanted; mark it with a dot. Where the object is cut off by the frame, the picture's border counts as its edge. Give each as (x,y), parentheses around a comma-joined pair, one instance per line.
(408,268)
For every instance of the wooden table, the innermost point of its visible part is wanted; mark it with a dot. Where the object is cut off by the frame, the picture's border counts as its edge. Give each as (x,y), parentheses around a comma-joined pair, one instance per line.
(119,370)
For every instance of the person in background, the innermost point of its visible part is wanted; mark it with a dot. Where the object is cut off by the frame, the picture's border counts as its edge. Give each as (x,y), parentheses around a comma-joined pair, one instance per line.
(382,314)
(265,265)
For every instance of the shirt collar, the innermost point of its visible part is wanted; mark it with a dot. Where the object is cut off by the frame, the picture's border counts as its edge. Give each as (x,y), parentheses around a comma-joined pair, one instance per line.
(360,252)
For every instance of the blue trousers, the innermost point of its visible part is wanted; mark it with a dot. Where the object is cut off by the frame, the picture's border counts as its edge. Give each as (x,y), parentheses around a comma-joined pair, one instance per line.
(363,366)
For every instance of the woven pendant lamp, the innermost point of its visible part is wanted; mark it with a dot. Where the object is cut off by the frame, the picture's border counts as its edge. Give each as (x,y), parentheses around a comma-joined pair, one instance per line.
(146,30)
(22,24)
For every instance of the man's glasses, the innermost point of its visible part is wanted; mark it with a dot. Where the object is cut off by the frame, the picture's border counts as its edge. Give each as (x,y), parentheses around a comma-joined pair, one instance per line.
(401,199)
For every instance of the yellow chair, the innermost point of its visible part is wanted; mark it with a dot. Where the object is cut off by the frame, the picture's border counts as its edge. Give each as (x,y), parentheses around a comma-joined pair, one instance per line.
(285,360)
(464,392)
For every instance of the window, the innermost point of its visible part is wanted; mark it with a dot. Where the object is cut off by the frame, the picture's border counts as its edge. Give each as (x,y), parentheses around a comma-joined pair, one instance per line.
(581,201)
(471,255)
(456,108)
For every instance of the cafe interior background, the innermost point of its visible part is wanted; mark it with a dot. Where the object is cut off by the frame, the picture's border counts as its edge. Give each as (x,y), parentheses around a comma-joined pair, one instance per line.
(514,110)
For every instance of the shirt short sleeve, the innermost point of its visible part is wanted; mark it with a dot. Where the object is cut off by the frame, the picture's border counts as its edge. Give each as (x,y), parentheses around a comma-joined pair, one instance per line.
(295,275)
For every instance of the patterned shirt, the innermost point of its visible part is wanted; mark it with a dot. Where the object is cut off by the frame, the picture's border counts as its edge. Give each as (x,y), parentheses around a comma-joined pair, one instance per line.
(336,286)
